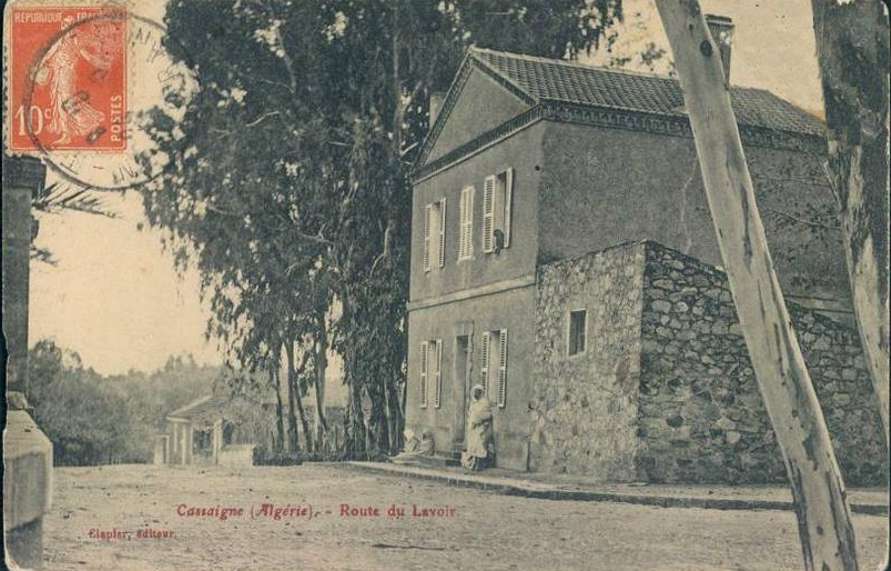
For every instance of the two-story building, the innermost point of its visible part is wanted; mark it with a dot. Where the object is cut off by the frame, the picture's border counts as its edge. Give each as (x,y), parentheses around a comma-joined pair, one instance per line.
(532,162)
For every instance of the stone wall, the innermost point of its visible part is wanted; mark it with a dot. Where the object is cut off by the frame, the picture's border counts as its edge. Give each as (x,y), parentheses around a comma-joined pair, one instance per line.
(237,455)
(583,409)
(701,416)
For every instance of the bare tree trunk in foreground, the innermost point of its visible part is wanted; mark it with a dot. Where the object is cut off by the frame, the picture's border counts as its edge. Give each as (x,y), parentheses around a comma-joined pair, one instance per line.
(824,521)
(852,44)
(853,47)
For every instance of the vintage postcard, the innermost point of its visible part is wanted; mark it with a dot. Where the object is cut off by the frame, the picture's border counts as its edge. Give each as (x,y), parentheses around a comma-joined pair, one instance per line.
(445,284)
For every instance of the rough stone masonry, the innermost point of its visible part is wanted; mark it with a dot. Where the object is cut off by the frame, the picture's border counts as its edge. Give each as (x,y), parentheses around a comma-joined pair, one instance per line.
(665,391)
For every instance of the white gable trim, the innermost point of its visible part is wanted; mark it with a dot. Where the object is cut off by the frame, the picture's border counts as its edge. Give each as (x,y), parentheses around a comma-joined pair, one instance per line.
(455,92)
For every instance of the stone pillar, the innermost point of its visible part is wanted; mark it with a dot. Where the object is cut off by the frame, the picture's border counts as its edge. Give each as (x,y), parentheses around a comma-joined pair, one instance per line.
(190,443)
(161,454)
(22,176)
(171,430)
(28,453)
(184,443)
(217,440)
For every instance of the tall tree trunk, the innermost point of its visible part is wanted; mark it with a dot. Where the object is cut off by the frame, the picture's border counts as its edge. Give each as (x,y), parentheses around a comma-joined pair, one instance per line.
(321,369)
(279,407)
(294,381)
(390,419)
(294,438)
(378,421)
(853,48)
(824,522)
(394,415)
(304,422)
(354,419)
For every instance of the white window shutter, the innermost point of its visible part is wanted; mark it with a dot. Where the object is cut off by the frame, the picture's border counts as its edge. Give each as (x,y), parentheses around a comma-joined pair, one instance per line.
(442,232)
(437,385)
(423,380)
(465,240)
(462,216)
(468,224)
(508,203)
(427,212)
(484,366)
(488,213)
(502,369)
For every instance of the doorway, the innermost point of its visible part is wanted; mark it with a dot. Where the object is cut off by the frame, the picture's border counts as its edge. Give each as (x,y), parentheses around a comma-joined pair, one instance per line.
(460,390)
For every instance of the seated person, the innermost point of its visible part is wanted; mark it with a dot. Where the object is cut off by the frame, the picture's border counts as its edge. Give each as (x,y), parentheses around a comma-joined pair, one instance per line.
(415,450)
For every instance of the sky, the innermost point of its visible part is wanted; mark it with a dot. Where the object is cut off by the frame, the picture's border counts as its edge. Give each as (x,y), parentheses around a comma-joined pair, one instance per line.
(115,298)
(773,44)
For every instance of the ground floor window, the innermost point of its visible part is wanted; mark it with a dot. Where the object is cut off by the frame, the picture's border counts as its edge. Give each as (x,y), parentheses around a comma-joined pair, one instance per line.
(493,369)
(431,370)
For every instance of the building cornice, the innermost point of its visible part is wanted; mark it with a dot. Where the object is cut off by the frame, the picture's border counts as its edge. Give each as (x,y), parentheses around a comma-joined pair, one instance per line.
(470,293)
(676,126)
(614,118)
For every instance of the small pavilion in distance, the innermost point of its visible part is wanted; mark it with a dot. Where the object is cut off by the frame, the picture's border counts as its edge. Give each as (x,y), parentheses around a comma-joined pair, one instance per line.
(204,432)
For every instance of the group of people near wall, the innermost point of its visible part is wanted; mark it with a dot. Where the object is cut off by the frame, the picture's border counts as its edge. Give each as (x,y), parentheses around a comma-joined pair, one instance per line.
(479,452)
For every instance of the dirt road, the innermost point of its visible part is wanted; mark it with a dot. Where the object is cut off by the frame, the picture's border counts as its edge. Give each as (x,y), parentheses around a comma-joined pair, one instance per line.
(213,518)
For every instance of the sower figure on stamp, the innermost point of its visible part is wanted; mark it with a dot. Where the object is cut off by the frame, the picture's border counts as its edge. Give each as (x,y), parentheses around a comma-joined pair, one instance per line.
(480,450)
(72,113)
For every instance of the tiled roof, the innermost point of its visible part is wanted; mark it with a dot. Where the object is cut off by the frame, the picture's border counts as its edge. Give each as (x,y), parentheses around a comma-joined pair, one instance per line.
(209,406)
(555,80)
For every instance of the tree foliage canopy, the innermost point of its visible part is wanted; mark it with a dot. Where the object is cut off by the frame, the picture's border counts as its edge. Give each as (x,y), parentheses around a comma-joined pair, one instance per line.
(96,419)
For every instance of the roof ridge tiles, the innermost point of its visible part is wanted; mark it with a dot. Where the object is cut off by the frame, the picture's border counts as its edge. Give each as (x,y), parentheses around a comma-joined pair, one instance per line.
(570,63)
(605,69)
(548,79)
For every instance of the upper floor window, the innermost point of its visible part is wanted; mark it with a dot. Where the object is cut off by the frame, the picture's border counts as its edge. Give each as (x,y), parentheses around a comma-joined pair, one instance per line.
(497,193)
(434,234)
(494,363)
(578,322)
(465,238)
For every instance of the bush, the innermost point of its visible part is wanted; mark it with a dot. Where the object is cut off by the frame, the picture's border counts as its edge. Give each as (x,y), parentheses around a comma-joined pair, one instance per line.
(266,457)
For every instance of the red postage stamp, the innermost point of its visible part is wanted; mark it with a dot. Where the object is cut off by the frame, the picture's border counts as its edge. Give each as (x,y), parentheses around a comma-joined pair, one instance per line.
(68,79)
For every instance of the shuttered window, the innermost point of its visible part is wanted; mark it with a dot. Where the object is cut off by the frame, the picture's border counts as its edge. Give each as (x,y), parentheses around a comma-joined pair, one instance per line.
(498,210)
(488,214)
(437,379)
(442,232)
(465,239)
(434,234)
(484,365)
(508,182)
(501,386)
(427,213)
(494,358)
(422,392)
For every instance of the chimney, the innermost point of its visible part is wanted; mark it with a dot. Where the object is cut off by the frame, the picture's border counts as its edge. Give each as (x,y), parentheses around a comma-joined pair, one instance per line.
(436,99)
(721,29)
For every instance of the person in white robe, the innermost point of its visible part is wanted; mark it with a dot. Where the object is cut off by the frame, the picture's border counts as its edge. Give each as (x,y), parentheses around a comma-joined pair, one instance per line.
(479,453)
